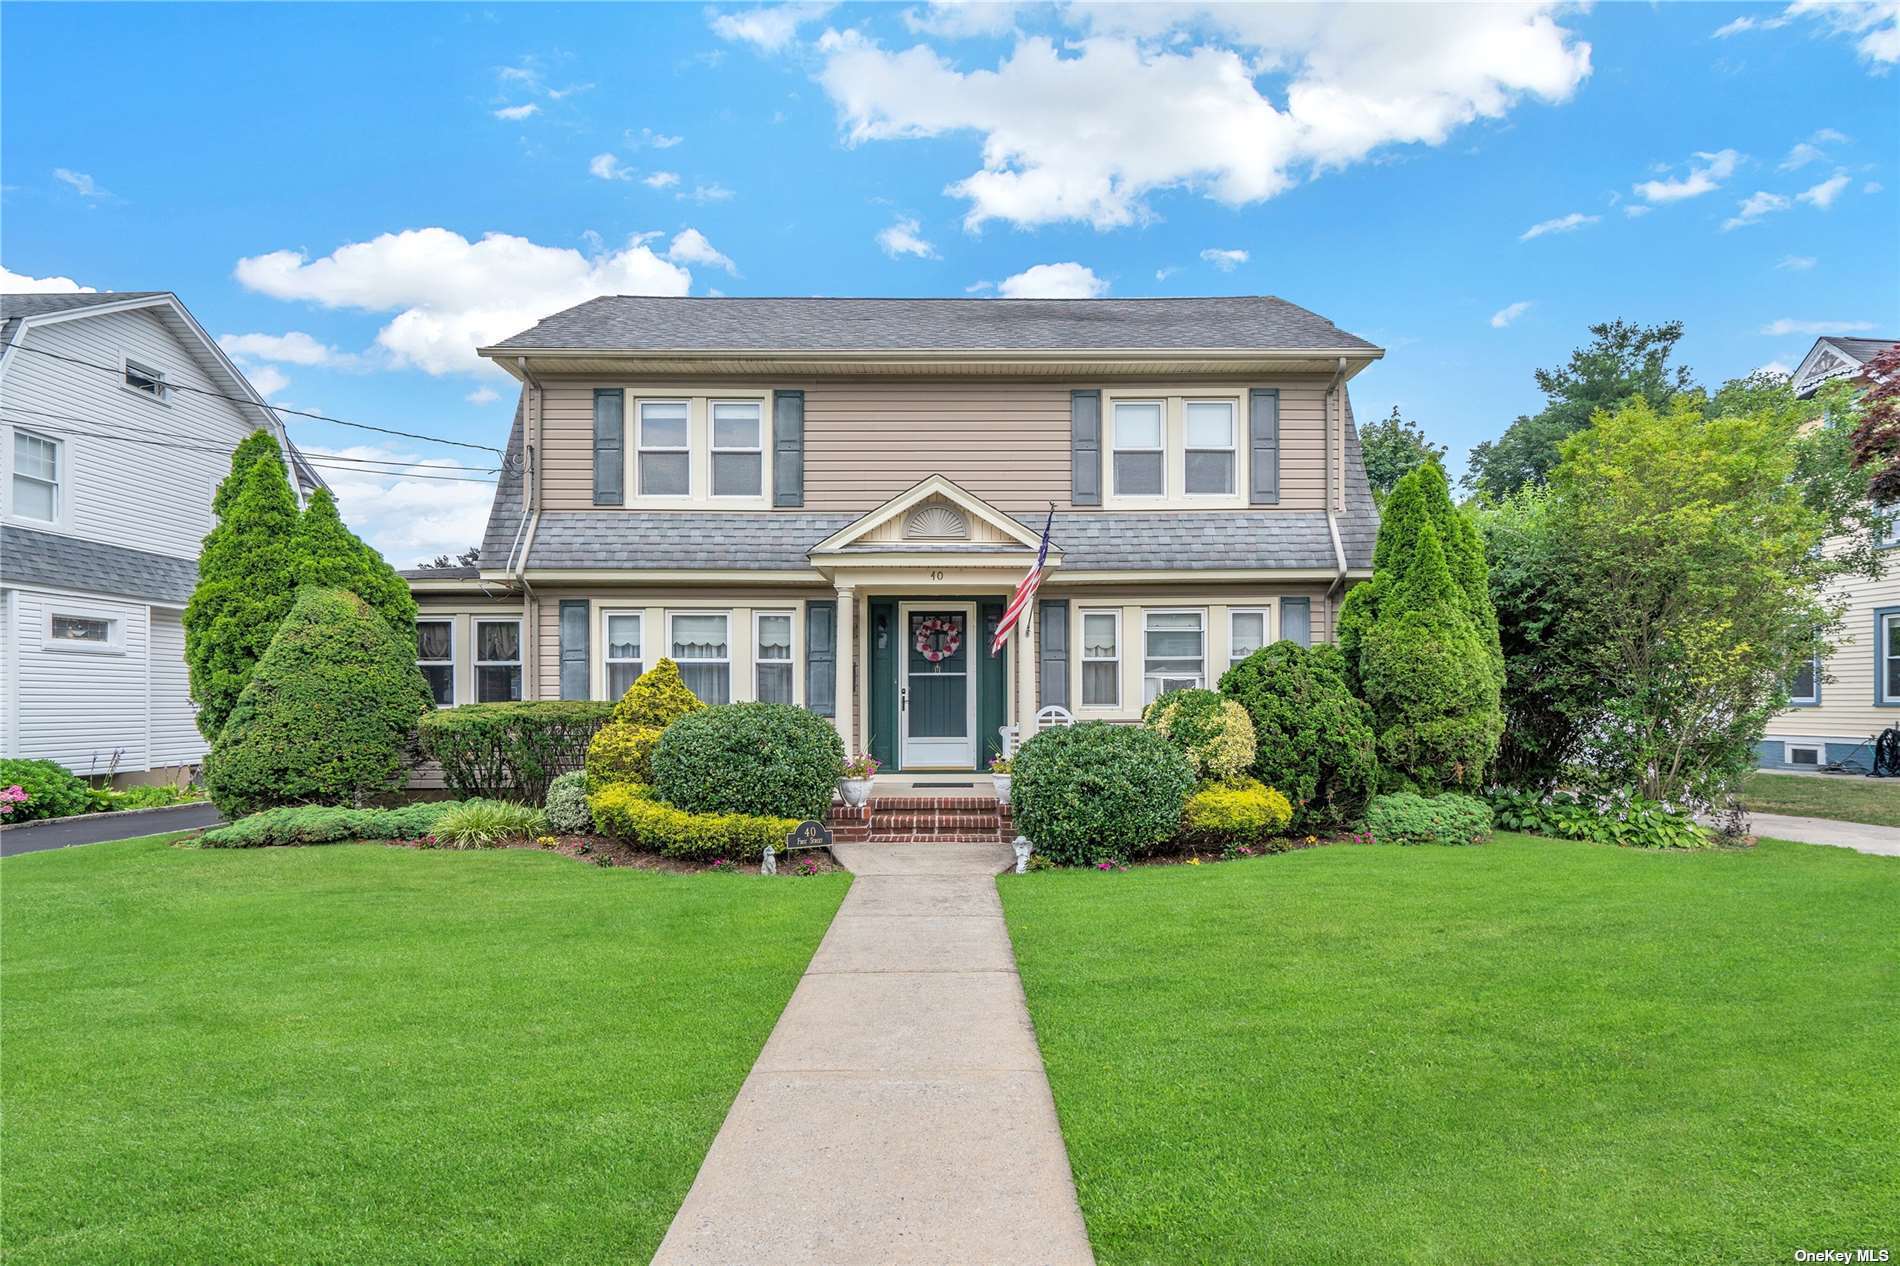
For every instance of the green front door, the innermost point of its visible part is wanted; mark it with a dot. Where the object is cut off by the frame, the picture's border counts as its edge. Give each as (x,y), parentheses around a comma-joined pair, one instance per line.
(936,693)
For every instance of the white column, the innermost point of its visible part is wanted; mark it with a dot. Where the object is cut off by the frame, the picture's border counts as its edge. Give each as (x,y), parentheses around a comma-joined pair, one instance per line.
(1024,651)
(847,663)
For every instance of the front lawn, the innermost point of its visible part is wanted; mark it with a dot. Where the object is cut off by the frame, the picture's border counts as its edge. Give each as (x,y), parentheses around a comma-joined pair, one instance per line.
(1532,1050)
(1840,798)
(373,1054)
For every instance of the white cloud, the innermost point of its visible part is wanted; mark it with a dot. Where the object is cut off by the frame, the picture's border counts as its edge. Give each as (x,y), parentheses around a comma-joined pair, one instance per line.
(904,237)
(1787,325)
(1800,156)
(1053,281)
(410,518)
(647,137)
(608,167)
(768,27)
(1823,194)
(293,348)
(449,294)
(963,19)
(1562,224)
(662,180)
(1733,28)
(1087,131)
(1635,210)
(1225,260)
(482,395)
(710,192)
(1796,263)
(1754,207)
(13,283)
(1504,316)
(1872,186)
(1707,171)
(690,246)
(1162,274)
(85,186)
(268,379)
(517,112)
(1775,367)
(1873,25)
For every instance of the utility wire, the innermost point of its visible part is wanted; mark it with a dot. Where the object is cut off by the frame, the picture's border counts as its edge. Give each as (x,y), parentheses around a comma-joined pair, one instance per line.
(328,461)
(116,372)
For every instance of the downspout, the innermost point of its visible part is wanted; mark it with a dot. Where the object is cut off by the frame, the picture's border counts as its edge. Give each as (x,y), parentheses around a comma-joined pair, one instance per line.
(1332,518)
(530,519)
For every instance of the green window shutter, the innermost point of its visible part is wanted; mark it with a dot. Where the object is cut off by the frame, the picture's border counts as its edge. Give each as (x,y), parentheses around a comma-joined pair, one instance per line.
(610,447)
(1296,620)
(821,658)
(1085,448)
(1263,427)
(788,448)
(574,622)
(1053,647)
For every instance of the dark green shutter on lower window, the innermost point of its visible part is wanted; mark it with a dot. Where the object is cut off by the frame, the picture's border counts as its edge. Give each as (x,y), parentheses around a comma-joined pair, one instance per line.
(788,448)
(610,447)
(574,683)
(1263,431)
(1296,620)
(821,658)
(1053,647)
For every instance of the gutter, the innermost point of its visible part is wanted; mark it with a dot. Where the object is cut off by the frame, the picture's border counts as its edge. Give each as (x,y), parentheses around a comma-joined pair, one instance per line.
(1332,519)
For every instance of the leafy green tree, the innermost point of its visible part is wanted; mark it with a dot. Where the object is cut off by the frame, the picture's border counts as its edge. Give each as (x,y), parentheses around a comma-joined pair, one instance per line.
(1548,702)
(246,578)
(1621,362)
(1313,737)
(1876,444)
(1394,448)
(333,557)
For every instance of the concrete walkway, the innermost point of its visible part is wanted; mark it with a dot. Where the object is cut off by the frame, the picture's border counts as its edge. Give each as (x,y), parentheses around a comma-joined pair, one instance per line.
(899,1111)
(1884,840)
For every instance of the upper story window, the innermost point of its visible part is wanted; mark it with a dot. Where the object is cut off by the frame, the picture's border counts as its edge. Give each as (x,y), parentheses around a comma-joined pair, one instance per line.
(738,449)
(665,454)
(145,380)
(1141,453)
(37,472)
(1888,534)
(497,661)
(1211,449)
(1177,451)
(682,449)
(435,657)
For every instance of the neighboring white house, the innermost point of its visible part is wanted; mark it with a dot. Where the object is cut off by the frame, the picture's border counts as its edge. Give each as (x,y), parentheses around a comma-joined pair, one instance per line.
(1851,693)
(118,414)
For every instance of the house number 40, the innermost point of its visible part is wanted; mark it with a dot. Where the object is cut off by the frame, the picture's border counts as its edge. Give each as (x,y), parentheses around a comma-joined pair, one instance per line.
(936,575)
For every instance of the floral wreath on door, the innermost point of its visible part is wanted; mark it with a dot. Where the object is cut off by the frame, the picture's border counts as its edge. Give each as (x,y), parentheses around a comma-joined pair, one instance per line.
(938,638)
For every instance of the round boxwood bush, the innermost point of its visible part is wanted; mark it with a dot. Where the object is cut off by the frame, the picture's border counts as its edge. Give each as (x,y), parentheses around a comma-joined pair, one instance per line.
(567,804)
(52,790)
(765,759)
(1408,818)
(1212,731)
(1097,792)
(1313,739)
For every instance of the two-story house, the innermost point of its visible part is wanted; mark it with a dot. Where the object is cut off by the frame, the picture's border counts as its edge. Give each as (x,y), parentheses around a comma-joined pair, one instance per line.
(828,502)
(118,414)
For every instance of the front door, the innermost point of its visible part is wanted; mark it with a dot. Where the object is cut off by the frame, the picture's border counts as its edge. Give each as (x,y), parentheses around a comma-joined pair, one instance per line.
(936,697)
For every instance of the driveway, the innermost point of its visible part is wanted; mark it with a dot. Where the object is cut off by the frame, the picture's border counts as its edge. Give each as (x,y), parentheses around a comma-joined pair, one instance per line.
(97,828)
(1884,840)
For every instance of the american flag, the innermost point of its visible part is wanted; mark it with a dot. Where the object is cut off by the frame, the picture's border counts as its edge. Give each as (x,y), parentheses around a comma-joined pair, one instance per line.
(1019,603)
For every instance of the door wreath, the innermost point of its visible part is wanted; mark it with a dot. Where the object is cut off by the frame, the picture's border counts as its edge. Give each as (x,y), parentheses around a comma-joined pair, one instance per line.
(938,638)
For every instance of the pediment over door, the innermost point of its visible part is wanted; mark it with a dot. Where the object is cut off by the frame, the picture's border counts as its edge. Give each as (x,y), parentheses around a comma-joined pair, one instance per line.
(932,516)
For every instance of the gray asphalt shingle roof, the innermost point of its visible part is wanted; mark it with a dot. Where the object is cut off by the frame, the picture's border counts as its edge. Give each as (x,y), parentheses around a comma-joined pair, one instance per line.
(642,323)
(1861,349)
(43,558)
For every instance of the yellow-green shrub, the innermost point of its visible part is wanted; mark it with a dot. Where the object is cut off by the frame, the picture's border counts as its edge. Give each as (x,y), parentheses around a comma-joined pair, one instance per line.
(1237,812)
(658,697)
(628,811)
(1214,733)
(621,752)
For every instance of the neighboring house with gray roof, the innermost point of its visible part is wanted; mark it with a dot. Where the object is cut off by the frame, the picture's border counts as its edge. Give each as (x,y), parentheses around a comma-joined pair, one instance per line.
(829,502)
(118,414)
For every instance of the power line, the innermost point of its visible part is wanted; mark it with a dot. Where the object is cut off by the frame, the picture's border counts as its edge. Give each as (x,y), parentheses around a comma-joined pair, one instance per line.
(116,371)
(328,461)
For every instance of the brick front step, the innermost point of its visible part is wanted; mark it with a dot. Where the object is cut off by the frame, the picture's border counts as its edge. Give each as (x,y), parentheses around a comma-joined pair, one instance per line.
(922,819)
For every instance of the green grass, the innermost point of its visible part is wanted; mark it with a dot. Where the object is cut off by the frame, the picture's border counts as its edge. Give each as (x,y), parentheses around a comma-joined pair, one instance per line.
(1840,798)
(1529,1051)
(359,1054)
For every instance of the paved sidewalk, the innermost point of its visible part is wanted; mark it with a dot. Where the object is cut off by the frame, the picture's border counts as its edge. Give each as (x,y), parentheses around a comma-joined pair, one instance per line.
(1884,840)
(899,1111)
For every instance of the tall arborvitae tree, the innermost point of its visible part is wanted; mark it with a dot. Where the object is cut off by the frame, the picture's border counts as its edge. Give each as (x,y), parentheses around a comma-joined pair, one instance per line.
(330,555)
(246,580)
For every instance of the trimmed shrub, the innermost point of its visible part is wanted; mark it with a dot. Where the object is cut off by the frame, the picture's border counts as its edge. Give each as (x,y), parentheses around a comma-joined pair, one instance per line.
(511,750)
(764,759)
(1213,732)
(329,555)
(1099,792)
(621,752)
(323,824)
(328,716)
(1407,818)
(52,790)
(628,811)
(1627,820)
(658,697)
(1313,739)
(1235,813)
(486,824)
(567,804)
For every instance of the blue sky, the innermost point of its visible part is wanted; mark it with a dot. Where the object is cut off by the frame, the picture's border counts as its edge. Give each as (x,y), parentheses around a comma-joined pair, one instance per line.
(317,182)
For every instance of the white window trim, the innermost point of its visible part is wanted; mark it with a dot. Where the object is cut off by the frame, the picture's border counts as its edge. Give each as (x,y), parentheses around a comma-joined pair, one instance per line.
(1885,676)
(1083,659)
(448,663)
(1174,440)
(1266,629)
(699,399)
(791,631)
(673,614)
(113,645)
(1789,749)
(58,481)
(713,447)
(1233,449)
(641,448)
(164,393)
(519,663)
(1116,447)
(1145,657)
(607,659)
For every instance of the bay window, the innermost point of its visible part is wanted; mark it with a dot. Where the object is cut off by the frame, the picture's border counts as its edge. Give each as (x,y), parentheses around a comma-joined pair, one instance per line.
(664,449)
(435,657)
(738,451)
(702,648)
(1101,659)
(1211,448)
(1140,448)
(1174,653)
(772,656)
(497,661)
(624,664)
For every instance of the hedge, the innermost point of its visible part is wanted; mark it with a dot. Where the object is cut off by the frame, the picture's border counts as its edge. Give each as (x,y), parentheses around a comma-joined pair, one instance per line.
(511,750)
(52,790)
(1098,792)
(1407,818)
(324,824)
(762,759)
(629,812)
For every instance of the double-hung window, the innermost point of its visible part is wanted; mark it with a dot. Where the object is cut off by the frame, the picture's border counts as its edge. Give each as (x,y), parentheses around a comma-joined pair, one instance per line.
(1140,448)
(1246,633)
(1211,455)
(435,657)
(738,451)
(702,647)
(1174,652)
(772,656)
(1888,534)
(497,661)
(1889,654)
(1101,659)
(624,663)
(664,460)
(36,476)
